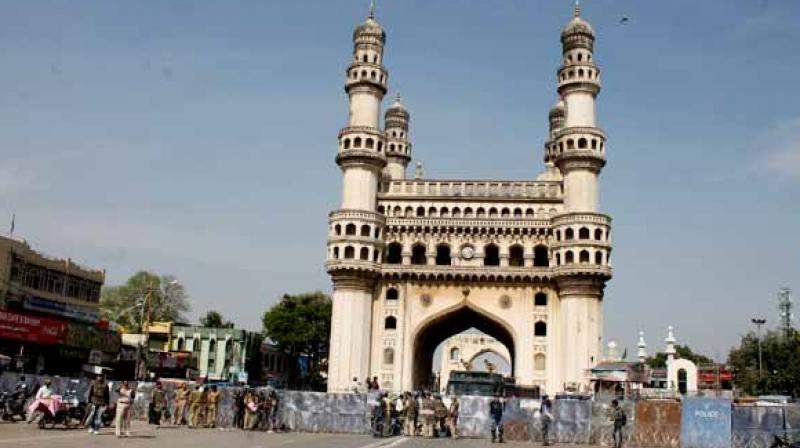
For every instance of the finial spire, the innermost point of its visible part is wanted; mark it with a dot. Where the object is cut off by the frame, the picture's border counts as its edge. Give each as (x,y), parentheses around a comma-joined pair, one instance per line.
(371,9)
(577,8)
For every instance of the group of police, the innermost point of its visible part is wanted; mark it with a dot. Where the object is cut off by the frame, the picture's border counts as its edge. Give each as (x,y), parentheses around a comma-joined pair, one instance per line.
(421,414)
(202,403)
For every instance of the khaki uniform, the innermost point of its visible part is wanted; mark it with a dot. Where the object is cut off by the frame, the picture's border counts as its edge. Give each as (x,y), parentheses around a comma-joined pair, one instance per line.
(211,414)
(428,417)
(198,408)
(181,397)
(440,412)
(410,416)
(452,418)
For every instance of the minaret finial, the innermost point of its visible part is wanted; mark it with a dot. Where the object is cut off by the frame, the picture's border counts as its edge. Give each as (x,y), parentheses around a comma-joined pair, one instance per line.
(371,9)
(398,96)
(577,8)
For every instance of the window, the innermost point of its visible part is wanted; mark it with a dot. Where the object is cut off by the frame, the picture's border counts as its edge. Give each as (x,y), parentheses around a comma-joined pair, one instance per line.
(394,253)
(598,257)
(456,212)
(392,294)
(540,299)
(418,254)
(370,143)
(558,259)
(432,212)
(541,256)
(598,234)
(350,229)
(377,232)
(347,143)
(349,252)
(336,253)
(212,348)
(570,144)
(181,345)
(516,256)
(390,323)
(455,354)
(518,212)
(445,213)
(491,255)
(505,213)
(364,254)
(357,142)
(468,212)
(481,212)
(570,258)
(420,211)
(493,212)
(584,256)
(583,233)
(388,356)
(569,234)
(365,230)
(540,329)
(443,255)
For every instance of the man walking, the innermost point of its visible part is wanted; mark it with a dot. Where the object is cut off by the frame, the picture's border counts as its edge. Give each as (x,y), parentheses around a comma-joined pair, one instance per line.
(212,400)
(181,397)
(546,416)
(158,402)
(620,420)
(99,398)
(496,416)
(452,418)
(410,415)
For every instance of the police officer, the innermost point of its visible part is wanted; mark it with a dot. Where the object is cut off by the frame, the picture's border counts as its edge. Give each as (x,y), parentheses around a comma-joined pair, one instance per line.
(212,401)
(452,417)
(181,397)
(410,415)
(496,415)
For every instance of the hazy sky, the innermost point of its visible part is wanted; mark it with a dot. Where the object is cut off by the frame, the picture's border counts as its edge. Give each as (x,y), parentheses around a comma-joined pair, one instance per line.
(197,138)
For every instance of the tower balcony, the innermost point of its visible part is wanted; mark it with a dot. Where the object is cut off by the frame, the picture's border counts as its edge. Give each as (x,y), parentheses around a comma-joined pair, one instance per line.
(578,147)
(579,77)
(367,76)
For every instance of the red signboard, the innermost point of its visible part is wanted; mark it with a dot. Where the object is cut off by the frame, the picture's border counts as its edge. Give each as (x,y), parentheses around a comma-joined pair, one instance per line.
(33,329)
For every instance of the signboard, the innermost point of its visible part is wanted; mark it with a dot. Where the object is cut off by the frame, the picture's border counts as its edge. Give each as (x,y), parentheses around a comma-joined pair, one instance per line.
(706,423)
(33,329)
(51,307)
(90,337)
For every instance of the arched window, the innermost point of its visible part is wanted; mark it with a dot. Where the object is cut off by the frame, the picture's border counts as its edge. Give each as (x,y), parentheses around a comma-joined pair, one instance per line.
(212,348)
(364,253)
(481,212)
(397,211)
(350,229)
(181,345)
(364,58)
(558,235)
(336,253)
(380,146)
(388,356)
(370,143)
(493,212)
(570,257)
(540,329)
(541,256)
(598,234)
(584,256)
(392,294)
(594,143)
(583,233)
(468,212)
(505,213)
(558,259)
(394,253)
(569,234)
(357,142)
(516,256)
(570,144)
(443,255)
(347,143)
(540,299)
(445,213)
(432,212)
(377,232)
(409,212)
(491,255)
(582,143)
(456,212)
(455,354)
(390,323)
(518,212)
(418,254)
(420,211)
(374,75)
(337,229)
(376,256)
(598,257)
(539,362)
(349,252)
(365,230)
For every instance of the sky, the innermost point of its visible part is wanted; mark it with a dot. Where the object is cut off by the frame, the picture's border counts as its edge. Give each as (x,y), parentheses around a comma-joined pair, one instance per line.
(197,138)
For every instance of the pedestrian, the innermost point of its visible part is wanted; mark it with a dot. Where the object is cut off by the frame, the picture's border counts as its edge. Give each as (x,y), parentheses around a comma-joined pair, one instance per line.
(452,417)
(620,419)
(274,401)
(98,402)
(212,401)
(496,416)
(375,384)
(388,404)
(181,398)
(368,384)
(410,415)
(123,416)
(194,406)
(356,386)
(427,413)
(158,402)
(238,409)
(440,413)
(546,417)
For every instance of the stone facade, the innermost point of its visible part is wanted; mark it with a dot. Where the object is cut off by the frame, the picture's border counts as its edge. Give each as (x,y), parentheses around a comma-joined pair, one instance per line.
(466,348)
(416,261)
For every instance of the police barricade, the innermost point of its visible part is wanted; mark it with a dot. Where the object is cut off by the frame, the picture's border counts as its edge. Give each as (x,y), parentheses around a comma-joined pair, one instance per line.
(322,412)
(603,425)
(706,423)
(658,424)
(756,426)
(473,417)
(572,421)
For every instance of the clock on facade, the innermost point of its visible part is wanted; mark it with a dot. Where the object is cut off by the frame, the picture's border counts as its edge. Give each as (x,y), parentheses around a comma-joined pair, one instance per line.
(467,252)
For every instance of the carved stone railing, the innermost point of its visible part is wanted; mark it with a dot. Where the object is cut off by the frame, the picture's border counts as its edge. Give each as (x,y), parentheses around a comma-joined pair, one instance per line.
(477,190)
(514,223)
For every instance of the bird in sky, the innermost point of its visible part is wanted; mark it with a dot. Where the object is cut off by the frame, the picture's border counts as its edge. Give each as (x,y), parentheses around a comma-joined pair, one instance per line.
(623,20)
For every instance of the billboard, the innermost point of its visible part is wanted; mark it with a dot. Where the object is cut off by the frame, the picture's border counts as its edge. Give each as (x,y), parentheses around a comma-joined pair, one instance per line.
(33,329)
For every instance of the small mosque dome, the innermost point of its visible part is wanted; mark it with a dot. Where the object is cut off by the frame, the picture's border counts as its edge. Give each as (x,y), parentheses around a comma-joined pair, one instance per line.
(558,110)
(370,27)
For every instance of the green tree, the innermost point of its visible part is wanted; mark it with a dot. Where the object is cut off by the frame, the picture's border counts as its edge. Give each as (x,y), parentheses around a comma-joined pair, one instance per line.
(213,319)
(144,297)
(659,361)
(780,364)
(300,325)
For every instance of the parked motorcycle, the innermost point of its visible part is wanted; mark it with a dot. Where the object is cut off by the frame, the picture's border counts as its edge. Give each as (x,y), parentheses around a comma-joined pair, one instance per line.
(12,405)
(71,412)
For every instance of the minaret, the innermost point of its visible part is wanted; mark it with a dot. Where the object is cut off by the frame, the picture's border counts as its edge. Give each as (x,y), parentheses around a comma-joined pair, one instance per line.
(582,245)
(670,351)
(642,345)
(355,241)
(398,148)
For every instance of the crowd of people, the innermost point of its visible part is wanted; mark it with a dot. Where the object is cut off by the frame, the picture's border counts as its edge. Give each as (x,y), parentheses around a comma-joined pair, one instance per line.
(418,414)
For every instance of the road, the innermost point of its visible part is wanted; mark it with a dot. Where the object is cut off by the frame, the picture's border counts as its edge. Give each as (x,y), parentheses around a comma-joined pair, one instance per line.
(21,435)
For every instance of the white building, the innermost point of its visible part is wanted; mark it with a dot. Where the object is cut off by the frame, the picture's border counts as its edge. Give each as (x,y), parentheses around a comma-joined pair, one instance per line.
(416,261)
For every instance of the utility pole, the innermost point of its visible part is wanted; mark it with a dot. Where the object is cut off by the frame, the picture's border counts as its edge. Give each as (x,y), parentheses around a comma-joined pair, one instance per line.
(759,323)
(785,309)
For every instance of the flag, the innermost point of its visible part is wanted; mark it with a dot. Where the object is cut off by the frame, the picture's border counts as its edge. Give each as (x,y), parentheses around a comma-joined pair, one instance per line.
(13,221)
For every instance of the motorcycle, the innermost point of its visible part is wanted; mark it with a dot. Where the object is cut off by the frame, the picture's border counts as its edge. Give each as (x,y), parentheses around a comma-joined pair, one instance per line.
(71,412)
(12,404)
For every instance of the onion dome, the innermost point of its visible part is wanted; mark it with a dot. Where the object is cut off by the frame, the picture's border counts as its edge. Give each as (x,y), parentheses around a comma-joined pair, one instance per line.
(577,25)
(370,27)
(558,111)
(397,108)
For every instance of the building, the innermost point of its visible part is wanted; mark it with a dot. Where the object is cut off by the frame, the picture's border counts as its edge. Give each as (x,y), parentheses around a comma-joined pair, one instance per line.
(49,313)
(416,261)
(220,354)
(461,351)
(275,365)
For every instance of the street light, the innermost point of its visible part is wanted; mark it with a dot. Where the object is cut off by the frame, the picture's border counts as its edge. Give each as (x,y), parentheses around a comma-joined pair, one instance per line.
(759,323)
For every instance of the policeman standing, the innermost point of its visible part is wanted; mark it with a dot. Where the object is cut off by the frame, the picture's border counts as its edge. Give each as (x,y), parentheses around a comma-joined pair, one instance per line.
(181,397)
(452,417)
(496,414)
(212,400)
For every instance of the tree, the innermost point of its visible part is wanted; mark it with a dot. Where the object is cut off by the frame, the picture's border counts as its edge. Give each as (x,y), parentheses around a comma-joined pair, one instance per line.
(780,364)
(144,297)
(300,325)
(213,319)
(659,361)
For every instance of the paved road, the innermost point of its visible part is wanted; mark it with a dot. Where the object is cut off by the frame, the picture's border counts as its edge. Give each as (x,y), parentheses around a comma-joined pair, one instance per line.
(21,435)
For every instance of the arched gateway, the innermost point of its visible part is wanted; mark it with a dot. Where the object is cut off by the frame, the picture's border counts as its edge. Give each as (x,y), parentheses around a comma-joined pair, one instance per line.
(415,261)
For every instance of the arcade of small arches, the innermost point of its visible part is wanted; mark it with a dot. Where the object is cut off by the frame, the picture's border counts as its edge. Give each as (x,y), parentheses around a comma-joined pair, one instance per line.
(466,212)
(490,254)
